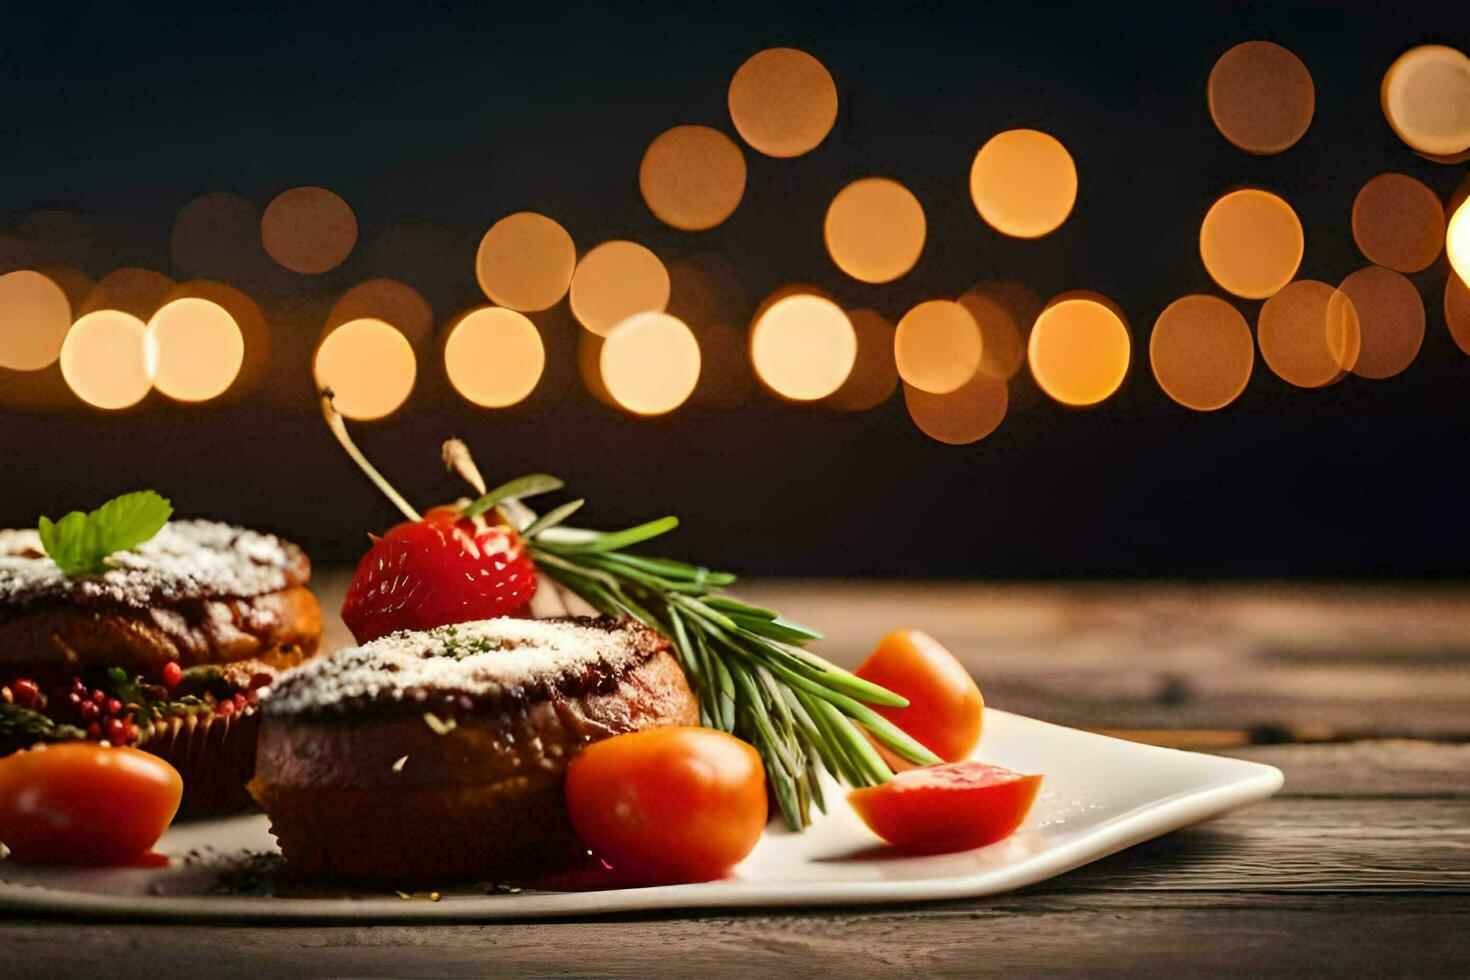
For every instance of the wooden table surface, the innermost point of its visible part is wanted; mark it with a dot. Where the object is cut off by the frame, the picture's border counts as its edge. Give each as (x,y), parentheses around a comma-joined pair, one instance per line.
(1361,866)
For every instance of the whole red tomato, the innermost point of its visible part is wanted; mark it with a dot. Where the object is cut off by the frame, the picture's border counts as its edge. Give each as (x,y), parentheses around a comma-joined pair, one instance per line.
(669,804)
(85,803)
(945,708)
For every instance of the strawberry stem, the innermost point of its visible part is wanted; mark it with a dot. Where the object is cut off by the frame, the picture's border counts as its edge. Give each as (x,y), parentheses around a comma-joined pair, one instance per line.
(338,426)
(457,457)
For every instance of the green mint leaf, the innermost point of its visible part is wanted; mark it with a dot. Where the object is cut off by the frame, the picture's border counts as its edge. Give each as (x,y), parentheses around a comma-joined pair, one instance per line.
(125,522)
(67,543)
(80,543)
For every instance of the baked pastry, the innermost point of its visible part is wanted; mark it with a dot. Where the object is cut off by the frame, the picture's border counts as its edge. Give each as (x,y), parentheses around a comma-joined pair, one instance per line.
(442,754)
(164,650)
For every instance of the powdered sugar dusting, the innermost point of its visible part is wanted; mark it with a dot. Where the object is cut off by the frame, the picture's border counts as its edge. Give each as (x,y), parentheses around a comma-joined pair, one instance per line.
(185,560)
(477,661)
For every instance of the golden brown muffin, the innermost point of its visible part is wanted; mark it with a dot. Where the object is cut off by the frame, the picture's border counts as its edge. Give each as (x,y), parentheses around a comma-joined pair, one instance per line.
(442,754)
(175,637)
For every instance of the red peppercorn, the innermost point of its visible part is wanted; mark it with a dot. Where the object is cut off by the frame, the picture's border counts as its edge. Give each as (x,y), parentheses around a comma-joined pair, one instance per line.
(99,696)
(172,674)
(113,706)
(94,730)
(90,711)
(26,693)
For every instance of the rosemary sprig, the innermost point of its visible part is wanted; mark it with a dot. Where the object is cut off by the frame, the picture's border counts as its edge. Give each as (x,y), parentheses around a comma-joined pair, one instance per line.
(746,663)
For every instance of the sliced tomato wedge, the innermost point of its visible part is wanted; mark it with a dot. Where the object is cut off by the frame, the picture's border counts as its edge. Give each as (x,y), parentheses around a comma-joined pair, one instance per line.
(953,807)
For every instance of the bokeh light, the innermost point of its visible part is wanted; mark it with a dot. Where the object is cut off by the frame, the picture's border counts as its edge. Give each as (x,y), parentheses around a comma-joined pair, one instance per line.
(783,102)
(106,360)
(1457,241)
(1251,243)
(781,292)
(874,375)
(525,262)
(803,347)
(1004,311)
(705,288)
(1261,97)
(650,363)
(370,367)
(388,300)
(875,229)
(308,230)
(254,329)
(1309,334)
(1426,99)
(692,177)
(960,417)
(1390,321)
(937,346)
(137,291)
(616,280)
(1398,223)
(1079,350)
(1023,183)
(1202,351)
(198,349)
(1457,311)
(494,356)
(1094,297)
(76,284)
(217,236)
(1457,197)
(35,315)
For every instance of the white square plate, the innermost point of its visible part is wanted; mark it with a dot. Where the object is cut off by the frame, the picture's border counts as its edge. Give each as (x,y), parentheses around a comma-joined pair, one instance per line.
(1100,795)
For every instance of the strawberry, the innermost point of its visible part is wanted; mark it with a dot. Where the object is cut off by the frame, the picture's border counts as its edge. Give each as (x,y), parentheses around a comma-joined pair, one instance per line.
(438,570)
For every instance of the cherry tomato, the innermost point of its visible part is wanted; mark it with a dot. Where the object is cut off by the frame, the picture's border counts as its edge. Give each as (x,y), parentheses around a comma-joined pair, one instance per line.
(84,803)
(669,804)
(953,807)
(945,709)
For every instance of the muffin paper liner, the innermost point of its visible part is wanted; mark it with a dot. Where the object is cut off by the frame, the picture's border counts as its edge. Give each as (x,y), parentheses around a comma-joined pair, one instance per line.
(215,754)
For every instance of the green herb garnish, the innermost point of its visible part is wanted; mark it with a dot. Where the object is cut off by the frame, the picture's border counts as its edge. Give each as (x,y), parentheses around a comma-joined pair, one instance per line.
(21,727)
(80,544)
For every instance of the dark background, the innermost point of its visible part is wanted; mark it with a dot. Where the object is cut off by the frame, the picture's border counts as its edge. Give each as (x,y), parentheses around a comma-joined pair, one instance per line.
(435,120)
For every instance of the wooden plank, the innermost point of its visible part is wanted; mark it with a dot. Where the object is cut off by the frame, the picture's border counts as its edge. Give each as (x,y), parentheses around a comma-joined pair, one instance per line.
(1269,661)
(1428,622)
(1181,936)
(1301,845)
(1389,768)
